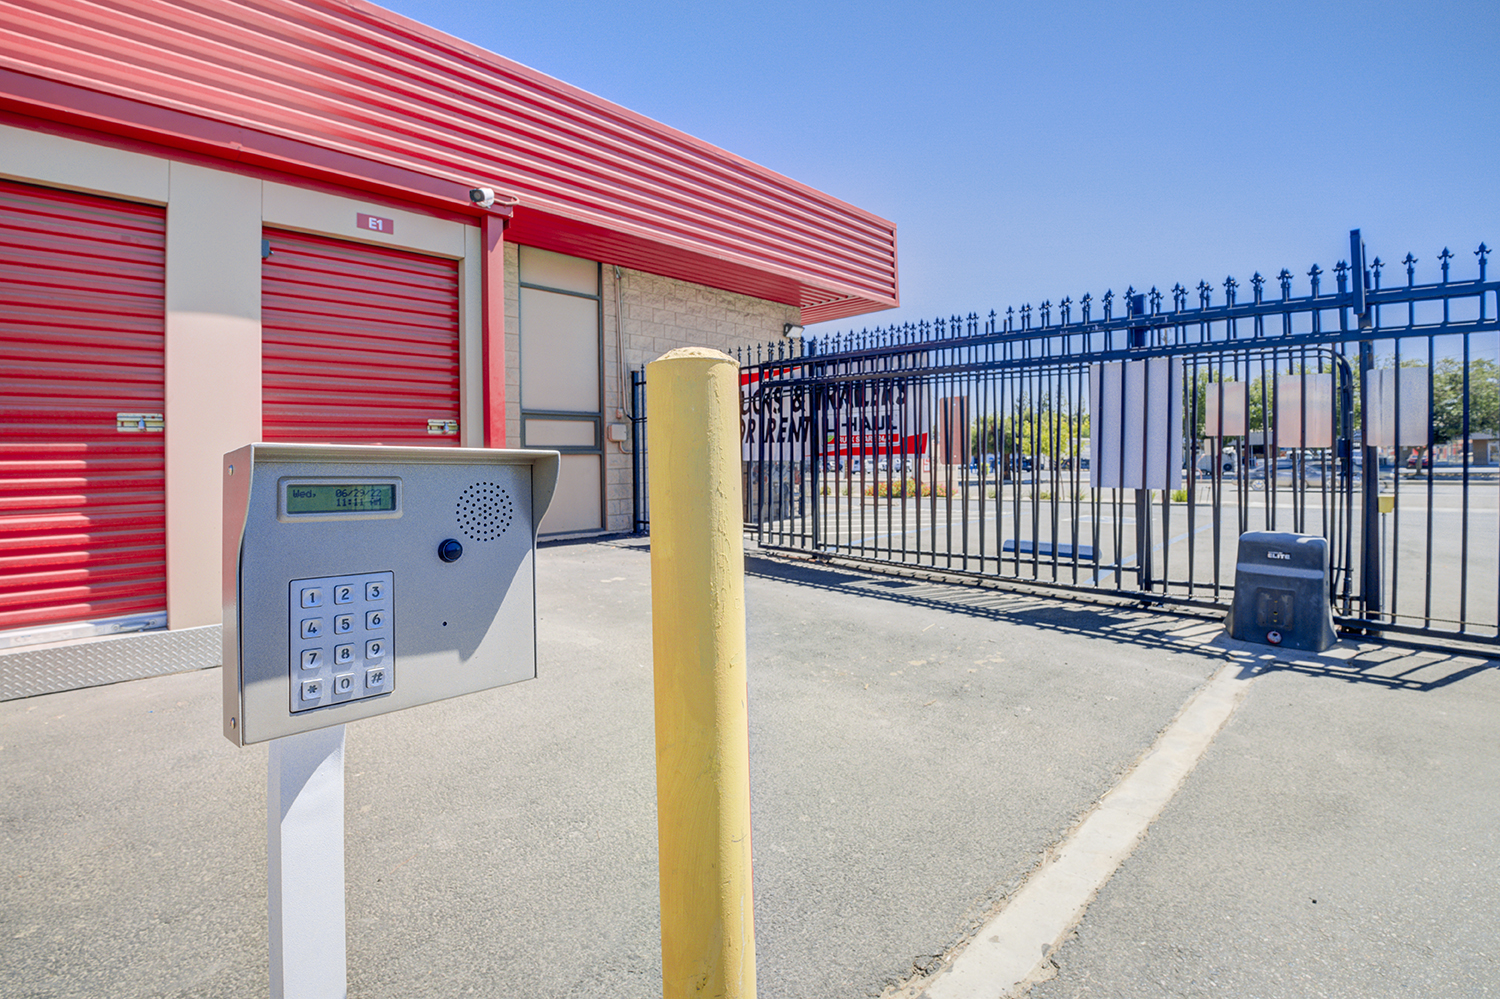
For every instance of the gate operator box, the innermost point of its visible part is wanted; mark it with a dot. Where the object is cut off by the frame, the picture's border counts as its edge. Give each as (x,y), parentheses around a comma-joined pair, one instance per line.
(1281,592)
(361,580)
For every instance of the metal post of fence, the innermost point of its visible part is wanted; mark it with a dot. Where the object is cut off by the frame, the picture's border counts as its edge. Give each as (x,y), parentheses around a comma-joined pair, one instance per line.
(1138,334)
(637,452)
(1370,575)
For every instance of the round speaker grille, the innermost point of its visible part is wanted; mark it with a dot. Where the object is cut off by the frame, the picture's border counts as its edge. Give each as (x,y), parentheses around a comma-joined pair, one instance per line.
(484,511)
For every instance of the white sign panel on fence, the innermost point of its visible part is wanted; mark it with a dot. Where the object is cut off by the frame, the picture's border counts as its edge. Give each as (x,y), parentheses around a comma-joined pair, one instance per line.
(1225,413)
(1409,388)
(1135,417)
(1304,422)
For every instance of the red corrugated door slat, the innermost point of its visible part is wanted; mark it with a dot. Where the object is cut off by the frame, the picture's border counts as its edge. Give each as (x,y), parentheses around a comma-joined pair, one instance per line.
(359,344)
(82,503)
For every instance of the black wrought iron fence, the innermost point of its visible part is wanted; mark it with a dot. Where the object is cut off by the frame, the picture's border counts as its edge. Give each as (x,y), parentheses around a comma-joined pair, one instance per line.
(1127,449)
(639,486)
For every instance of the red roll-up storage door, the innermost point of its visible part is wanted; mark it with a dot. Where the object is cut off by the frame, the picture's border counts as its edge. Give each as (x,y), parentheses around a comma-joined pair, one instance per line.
(359,344)
(82,503)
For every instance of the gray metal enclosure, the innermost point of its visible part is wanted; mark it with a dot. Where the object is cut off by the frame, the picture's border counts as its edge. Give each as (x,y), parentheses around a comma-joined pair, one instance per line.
(1124,445)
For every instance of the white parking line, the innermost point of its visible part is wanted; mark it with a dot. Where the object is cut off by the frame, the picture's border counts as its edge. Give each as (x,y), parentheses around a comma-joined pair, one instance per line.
(1013,951)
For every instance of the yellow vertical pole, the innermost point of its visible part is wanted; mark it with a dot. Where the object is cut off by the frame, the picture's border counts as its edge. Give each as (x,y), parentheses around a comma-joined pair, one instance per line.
(698,641)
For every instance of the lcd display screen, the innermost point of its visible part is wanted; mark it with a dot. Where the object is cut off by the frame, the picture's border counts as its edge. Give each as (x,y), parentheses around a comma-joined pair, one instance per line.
(340,497)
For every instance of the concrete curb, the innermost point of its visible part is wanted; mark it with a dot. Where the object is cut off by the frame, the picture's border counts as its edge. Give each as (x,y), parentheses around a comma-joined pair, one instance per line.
(1013,950)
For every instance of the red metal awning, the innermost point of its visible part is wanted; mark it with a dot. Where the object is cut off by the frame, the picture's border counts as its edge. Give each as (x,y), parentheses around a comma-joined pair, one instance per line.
(346,92)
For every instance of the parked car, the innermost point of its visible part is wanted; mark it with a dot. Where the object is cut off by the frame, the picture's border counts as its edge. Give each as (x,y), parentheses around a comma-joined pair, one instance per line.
(1289,469)
(1425,457)
(1229,462)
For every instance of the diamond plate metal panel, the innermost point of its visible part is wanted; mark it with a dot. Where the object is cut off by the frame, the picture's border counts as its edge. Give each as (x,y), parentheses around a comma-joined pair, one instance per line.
(93,663)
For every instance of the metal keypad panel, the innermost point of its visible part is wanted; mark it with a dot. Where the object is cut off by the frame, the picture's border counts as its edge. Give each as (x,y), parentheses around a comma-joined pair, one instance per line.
(343,638)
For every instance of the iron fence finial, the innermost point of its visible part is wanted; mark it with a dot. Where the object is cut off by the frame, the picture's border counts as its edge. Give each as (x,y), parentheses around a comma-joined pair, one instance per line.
(1445,256)
(1481,253)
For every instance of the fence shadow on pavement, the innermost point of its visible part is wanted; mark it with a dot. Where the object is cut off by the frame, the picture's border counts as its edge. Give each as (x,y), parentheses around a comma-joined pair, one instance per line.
(1353,660)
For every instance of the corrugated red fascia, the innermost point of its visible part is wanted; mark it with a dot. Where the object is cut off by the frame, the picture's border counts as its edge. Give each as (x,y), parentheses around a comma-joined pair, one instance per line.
(359,82)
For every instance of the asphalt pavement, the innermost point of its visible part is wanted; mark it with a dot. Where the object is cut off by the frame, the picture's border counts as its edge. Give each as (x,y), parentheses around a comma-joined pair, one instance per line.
(919,751)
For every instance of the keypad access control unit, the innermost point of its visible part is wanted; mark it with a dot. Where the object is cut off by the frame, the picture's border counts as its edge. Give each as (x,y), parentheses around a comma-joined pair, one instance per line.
(360,580)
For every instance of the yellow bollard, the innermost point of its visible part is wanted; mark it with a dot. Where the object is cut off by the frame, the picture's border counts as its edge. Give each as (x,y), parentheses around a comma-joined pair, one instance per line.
(698,641)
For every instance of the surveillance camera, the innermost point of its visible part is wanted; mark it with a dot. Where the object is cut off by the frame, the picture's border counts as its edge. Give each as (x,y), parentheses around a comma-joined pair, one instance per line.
(484,197)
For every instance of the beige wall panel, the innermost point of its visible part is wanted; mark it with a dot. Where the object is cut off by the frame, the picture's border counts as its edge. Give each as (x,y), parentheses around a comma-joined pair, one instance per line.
(556,270)
(471,340)
(212,371)
(575,504)
(331,215)
(82,166)
(559,352)
(560,433)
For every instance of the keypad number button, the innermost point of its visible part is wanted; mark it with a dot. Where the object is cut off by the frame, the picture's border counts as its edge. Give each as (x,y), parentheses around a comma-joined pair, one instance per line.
(374,648)
(343,683)
(343,594)
(343,654)
(374,620)
(343,624)
(312,658)
(312,628)
(374,591)
(312,597)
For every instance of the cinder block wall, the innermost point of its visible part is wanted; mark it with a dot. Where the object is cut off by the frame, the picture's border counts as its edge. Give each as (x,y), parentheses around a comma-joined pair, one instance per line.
(660,314)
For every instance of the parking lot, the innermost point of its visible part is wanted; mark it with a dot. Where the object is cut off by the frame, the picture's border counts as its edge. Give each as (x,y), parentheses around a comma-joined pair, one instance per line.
(919,751)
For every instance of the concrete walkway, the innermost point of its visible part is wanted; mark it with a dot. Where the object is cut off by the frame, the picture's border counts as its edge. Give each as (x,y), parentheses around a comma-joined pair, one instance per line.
(922,756)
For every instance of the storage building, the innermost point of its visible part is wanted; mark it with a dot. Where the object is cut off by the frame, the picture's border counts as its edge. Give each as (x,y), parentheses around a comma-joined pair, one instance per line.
(229,222)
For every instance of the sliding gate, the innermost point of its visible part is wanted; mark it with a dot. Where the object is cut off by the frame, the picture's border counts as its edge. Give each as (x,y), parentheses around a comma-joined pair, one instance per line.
(1126,449)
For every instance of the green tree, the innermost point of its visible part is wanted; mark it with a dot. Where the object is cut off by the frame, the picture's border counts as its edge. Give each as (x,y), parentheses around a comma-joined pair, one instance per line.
(1448,398)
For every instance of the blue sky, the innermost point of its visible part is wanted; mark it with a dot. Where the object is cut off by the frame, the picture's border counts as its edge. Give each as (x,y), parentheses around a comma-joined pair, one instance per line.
(1028,151)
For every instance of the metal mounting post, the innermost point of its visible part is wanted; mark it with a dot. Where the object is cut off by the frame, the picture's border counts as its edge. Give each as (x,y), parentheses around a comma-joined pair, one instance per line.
(305,864)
